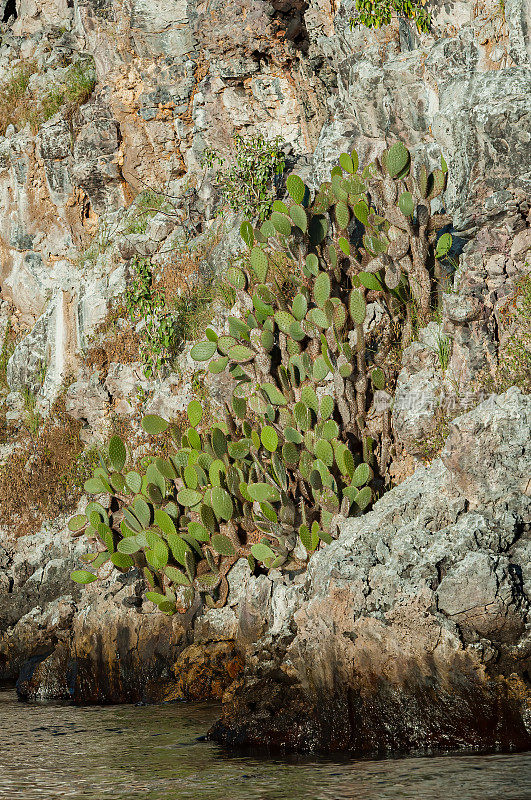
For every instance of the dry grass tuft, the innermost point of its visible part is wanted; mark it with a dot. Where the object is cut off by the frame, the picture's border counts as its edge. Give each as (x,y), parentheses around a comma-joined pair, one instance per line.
(44,475)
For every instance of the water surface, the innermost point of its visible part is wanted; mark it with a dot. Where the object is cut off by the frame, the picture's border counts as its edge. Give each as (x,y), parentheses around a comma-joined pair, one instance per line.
(49,752)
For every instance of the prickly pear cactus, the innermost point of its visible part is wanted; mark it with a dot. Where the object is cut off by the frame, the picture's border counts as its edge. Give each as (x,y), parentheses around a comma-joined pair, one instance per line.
(294,453)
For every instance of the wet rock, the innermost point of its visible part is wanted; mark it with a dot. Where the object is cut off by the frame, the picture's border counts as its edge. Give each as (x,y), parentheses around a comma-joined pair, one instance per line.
(202,672)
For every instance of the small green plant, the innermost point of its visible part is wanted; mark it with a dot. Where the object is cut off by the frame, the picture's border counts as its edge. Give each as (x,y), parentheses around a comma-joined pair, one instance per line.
(253,168)
(443,350)
(6,351)
(32,416)
(146,205)
(376,13)
(159,336)
(514,358)
(295,453)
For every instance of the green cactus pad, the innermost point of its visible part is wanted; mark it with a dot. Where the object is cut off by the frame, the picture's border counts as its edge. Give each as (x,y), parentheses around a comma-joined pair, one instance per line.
(236,278)
(327,406)
(323,451)
(344,245)
(361,475)
(163,520)
(312,264)
(346,162)
(319,318)
(263,492)
(339,187)
(296,188)
(219,365)
(122,561)
(222,503)
(444,245)
(117,453)
(357,306)
(406,204)
(219,442)
(330,429)
(247,234)
(194,412)
(223,545)
(320,369)
(299,307)
(363,498)
(370,281)
(342,215)
(397,159)
(378,378)
(281,222)
(238,328)
(269,438)
(299,217)
(263,553)
(361,212)
(133,481)
(309,397)
(284,320)
(203,351)
(259,263)
(189,497)
(241,354)
(129,545)
(176,576)
(77,523)
(273,394)
(306,538)
(83,576)
(179,548)
(321,289)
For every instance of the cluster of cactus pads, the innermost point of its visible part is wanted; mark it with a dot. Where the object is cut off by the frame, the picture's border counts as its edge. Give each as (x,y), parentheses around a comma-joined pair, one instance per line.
(295,452)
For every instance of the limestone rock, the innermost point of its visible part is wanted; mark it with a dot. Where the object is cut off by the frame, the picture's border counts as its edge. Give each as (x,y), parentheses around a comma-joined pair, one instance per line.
(412,631)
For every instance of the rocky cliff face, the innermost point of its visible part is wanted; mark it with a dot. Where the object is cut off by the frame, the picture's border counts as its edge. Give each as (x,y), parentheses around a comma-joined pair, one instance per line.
(169,80)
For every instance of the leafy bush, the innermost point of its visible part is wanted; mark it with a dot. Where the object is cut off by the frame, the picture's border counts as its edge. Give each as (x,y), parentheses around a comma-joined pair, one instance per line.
(159,336)
(375,13)
(246,184)
(169,321)
(296,452)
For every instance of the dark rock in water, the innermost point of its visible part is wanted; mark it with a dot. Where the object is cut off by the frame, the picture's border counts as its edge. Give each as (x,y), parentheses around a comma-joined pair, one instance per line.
(201,672)
(412,634)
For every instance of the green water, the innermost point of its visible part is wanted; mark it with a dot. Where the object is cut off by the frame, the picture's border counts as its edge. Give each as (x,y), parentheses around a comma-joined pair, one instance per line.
(153,753)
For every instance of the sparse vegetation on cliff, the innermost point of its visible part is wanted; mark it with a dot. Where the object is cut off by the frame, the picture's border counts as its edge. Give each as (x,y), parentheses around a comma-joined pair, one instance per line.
(21,104)
(514,360)
(44,475)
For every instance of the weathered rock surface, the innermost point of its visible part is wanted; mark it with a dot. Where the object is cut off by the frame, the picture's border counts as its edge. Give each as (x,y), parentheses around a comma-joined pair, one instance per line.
(411,633)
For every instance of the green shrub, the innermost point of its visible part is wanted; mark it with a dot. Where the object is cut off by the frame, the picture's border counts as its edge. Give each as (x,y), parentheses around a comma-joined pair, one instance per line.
(375,13)
(246,183)
(295,452)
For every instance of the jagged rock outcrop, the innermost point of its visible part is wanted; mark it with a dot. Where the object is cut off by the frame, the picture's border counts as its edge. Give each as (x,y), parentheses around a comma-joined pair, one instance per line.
(411,632)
